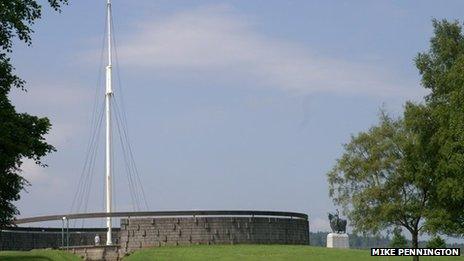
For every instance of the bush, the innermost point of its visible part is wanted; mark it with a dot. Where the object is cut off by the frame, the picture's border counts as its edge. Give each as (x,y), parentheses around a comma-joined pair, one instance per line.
(436,242)
(398,240)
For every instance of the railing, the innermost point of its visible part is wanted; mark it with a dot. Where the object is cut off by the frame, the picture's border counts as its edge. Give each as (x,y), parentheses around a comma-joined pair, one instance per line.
(193,213)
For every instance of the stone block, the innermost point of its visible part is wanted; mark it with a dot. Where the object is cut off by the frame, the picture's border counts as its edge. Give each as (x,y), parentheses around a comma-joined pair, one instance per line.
(335,240)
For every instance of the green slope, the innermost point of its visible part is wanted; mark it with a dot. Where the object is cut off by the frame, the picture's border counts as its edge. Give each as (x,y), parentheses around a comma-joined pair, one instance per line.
(37,255)
(224,252)
(263,252)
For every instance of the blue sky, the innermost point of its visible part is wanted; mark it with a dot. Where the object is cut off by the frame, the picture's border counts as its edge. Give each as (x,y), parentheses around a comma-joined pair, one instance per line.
(230,104)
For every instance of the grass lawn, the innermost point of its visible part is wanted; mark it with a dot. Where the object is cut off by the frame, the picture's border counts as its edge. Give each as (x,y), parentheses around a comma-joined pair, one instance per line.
(263,252)
(223,252)
(39,255)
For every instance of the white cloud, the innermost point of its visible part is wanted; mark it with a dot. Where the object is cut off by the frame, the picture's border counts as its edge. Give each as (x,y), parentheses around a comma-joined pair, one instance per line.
(66,105)
(51,95)
(36,174)
(47,187)
(32,171)
(214,38)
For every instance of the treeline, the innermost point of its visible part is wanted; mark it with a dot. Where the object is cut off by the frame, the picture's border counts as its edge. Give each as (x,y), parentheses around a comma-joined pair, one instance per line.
(364,242)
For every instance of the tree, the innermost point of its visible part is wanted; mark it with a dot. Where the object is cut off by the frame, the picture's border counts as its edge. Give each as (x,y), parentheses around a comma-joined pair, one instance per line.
(414,165)
(436,242)
(398,240)
(442,72)
(382,178)
(21,134)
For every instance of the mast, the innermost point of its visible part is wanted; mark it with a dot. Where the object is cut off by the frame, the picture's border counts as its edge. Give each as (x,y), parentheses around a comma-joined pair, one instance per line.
(108,97)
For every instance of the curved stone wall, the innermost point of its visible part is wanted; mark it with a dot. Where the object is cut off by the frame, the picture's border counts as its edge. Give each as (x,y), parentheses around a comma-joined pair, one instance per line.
(138,233)
(161,228)
(33,238)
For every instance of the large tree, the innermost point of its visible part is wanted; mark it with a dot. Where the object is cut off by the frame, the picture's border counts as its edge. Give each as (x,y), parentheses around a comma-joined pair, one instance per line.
(409,172)
(21,134)
(382,179)
(442,71)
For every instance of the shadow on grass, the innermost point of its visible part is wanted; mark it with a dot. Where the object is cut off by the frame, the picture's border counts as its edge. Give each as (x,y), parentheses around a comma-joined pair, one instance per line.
(25,258)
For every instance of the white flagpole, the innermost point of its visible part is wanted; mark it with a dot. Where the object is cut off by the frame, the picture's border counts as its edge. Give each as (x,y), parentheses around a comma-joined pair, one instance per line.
(108,97)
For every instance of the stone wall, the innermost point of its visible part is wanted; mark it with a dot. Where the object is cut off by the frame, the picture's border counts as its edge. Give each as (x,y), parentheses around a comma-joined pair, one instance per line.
(189,227)
(47,238)
(138,233)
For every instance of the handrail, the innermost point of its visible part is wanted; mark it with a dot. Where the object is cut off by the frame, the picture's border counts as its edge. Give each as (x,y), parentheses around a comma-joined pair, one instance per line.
(162,214)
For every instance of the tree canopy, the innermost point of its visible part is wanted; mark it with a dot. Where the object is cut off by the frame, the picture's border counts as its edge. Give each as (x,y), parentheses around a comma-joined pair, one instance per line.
(442,71)
(21,134)
(409,171)
(381,180)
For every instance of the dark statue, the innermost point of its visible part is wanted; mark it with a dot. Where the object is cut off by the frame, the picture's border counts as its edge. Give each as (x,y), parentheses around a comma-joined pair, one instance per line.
(337,224)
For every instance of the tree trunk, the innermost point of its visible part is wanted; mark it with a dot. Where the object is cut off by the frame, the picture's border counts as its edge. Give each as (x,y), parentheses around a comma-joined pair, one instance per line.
(415,243)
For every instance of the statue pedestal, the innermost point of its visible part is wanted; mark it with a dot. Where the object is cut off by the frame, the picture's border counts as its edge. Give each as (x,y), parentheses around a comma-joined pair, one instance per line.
(335,240)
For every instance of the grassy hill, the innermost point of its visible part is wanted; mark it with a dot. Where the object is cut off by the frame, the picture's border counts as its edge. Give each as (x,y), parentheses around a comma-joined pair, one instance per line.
(37,255)
(225,253)
(263,252)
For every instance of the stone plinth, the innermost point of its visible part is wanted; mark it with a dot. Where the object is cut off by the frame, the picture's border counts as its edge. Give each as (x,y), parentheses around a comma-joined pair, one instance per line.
(335,240)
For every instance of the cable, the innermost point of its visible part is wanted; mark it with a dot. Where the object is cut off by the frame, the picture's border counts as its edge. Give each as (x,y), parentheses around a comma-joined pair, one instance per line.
(85,186)
(123,118)
(132,188)
(91,142)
